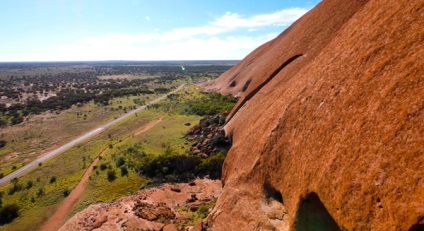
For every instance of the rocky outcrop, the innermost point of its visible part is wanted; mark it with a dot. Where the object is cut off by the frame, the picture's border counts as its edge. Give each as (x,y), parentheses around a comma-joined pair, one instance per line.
(209,136)
(161,208)
(328,130)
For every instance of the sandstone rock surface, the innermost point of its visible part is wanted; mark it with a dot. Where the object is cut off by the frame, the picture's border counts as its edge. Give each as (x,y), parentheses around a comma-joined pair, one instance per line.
(329,128)
(150,209)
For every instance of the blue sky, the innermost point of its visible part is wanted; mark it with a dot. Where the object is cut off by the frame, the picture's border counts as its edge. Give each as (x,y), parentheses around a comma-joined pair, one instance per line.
(73,30)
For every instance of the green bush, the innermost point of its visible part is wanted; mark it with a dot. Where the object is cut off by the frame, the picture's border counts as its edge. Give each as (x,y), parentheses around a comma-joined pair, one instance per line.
(120,161)
(66,192)
(124,171)
(212,166)
(40,192)
(219,141)
(8,213)
(210,104)
(111,175)
(161,166)
(29,184)
(174,167)
(103,166)
(16,187)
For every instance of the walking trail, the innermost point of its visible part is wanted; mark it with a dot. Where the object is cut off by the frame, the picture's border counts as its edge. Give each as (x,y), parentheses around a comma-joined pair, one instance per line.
(56,219)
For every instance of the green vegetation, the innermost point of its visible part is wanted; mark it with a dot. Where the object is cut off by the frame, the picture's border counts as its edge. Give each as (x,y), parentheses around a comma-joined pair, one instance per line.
(8,213)
(201,104)
(174,167)
(161,149)
(210,104)
(196,215)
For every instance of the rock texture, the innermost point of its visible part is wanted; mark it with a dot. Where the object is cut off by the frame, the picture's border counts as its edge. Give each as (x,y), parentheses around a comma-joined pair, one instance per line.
(157,208)
(328,130)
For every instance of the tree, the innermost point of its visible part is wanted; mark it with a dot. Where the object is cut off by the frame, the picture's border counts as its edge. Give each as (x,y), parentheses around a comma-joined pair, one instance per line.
(111,175)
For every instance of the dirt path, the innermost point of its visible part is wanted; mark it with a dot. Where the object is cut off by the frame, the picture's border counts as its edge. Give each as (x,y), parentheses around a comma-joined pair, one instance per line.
(56,220)
(149,126)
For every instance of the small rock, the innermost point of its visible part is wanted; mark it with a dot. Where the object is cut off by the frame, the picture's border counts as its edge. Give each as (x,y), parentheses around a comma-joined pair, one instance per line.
(203,155)
(197,227)
(169,227)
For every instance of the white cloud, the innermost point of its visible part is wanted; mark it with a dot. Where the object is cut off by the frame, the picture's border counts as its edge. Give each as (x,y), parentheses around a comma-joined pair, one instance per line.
(282,17)
(219,39)
(231,47)
(147,18)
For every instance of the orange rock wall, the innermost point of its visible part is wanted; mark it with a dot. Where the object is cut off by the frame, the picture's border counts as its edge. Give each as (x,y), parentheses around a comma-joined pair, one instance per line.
(343,120)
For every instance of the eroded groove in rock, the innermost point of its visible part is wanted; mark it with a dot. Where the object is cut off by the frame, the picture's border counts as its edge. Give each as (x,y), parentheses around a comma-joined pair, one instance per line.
(272,193)
(313,216)
(246,85)
(253,92)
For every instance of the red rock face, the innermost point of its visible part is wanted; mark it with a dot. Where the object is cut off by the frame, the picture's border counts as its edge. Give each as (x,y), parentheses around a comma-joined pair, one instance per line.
(329,127)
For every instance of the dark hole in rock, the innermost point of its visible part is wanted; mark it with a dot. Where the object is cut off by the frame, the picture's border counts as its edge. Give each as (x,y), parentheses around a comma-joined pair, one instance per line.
(313,216)
(233,84)
(417,227)
(272,193)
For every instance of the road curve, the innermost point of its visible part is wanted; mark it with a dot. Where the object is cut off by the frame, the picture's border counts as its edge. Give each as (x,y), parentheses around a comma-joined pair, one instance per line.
(72,143)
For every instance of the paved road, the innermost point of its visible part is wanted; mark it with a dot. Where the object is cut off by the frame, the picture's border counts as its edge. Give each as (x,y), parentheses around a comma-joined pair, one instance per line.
(90,134)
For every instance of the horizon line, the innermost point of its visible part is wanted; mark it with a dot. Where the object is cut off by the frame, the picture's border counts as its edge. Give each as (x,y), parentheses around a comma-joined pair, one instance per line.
(123,60)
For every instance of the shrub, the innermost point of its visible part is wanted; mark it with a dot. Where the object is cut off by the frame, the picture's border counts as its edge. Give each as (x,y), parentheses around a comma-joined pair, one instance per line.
(40,192)
(15,187)
(120,161)
(103,166)
(169,166)
(8,213)
(29,184)
(52,179)
(212,166)
(111,175)
(219,141)
(66,192)
(124,171)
